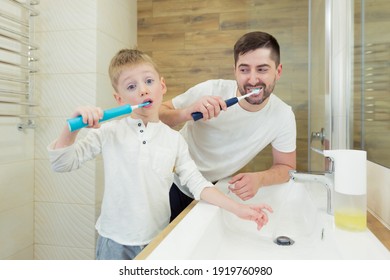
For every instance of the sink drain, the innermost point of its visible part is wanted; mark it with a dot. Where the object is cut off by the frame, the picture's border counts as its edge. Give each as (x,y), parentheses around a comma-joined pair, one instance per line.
(284,241)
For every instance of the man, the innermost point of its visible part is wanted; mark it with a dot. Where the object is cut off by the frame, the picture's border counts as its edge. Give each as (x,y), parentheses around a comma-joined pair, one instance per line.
(226,139)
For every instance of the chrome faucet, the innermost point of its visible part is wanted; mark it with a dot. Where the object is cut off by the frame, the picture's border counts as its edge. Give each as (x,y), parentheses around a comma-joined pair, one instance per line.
(326,179)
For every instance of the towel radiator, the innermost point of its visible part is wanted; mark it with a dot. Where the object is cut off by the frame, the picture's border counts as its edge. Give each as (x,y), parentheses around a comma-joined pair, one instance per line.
(18,61)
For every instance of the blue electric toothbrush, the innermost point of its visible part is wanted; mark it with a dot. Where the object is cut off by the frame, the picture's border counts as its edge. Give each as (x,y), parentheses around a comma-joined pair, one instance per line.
(77,123)
(229,102)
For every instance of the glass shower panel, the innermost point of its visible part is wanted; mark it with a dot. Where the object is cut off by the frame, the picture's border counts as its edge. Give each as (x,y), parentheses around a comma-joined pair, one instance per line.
(318,86)
(331,63)
(349,78)
(372,80)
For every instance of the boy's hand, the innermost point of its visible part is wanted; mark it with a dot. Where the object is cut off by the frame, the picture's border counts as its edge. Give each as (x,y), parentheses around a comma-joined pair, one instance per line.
(255,213)
(91,115)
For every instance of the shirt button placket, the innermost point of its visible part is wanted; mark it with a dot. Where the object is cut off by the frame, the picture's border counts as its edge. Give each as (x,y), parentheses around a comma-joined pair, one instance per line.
(141,131)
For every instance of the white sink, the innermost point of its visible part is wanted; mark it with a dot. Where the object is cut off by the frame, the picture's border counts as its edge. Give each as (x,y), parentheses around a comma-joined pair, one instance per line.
(208,232)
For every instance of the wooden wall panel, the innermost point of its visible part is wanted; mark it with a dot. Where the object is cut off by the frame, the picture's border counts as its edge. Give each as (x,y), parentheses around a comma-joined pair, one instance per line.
(192,41)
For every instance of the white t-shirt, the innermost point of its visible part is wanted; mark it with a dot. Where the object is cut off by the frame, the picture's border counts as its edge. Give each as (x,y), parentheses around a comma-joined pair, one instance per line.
(223,145)
(139,163)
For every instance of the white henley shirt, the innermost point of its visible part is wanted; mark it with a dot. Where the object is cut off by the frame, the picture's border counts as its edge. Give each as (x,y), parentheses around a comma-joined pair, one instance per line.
(139,163)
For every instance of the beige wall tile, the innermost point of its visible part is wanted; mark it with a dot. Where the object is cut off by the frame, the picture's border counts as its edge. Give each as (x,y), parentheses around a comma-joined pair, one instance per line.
(45,252)
(67,225)
(70,187)
(16,184)
(16,231)
(64,15)
(63,53)
(25,254)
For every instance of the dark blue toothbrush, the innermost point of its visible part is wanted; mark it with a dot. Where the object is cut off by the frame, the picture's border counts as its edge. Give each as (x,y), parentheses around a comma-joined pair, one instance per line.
(229,102)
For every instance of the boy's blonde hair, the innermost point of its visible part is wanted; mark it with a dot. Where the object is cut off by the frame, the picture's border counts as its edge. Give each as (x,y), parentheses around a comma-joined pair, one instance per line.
(125,58)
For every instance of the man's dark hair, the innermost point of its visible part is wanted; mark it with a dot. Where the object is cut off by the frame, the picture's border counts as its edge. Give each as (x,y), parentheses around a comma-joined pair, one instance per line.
(255,40)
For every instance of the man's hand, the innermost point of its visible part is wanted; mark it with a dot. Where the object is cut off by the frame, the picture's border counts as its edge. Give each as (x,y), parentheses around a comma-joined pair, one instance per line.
(209,106)
(245,185)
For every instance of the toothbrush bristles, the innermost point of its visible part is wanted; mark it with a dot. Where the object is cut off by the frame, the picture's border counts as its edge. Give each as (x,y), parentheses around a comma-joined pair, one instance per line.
(256,90)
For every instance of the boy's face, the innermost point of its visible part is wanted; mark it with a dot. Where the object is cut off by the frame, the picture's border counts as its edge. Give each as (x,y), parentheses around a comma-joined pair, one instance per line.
(138,84)
(256,69)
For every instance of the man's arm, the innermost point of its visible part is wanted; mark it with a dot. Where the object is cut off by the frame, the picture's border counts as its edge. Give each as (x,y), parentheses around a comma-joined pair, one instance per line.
(282,163)
(171,116)
(209,106)
(246,185)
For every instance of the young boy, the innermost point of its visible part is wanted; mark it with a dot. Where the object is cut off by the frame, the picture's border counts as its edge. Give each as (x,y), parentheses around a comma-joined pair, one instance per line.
(140,156)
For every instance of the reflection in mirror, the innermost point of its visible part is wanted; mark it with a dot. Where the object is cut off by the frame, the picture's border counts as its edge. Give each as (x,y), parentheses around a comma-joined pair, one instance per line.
(372,80)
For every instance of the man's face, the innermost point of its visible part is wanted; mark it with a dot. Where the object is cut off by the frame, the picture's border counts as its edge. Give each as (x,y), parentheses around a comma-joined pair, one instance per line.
(256,69)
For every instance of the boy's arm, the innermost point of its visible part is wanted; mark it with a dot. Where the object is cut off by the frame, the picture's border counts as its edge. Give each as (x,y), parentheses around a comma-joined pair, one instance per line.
(90,115)
(66,138)
(63,157)
(189,175)
(248,212)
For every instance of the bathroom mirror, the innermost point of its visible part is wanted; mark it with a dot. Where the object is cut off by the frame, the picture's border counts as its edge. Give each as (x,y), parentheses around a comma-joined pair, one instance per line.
(357,116)
(372,80)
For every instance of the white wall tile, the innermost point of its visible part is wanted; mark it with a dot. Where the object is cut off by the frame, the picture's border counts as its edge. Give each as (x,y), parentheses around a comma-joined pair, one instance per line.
(61,94)
(119,20)
(106,49)
(16,184)
(105,52)
(70,187)
(16,231)
(67,225)
(25,254)
(15,145)
(46,252)
(66,15)
(105,98)
(47,130)
(67,52)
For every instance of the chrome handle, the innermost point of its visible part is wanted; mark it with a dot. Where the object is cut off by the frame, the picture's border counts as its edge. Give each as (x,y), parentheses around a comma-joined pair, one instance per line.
(318,136)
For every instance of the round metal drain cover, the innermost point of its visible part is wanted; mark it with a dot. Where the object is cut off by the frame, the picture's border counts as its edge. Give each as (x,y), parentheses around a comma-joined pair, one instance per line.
(284,241)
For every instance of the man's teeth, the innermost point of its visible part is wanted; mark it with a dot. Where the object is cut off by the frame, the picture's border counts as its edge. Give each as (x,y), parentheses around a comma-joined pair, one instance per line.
(256,90)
